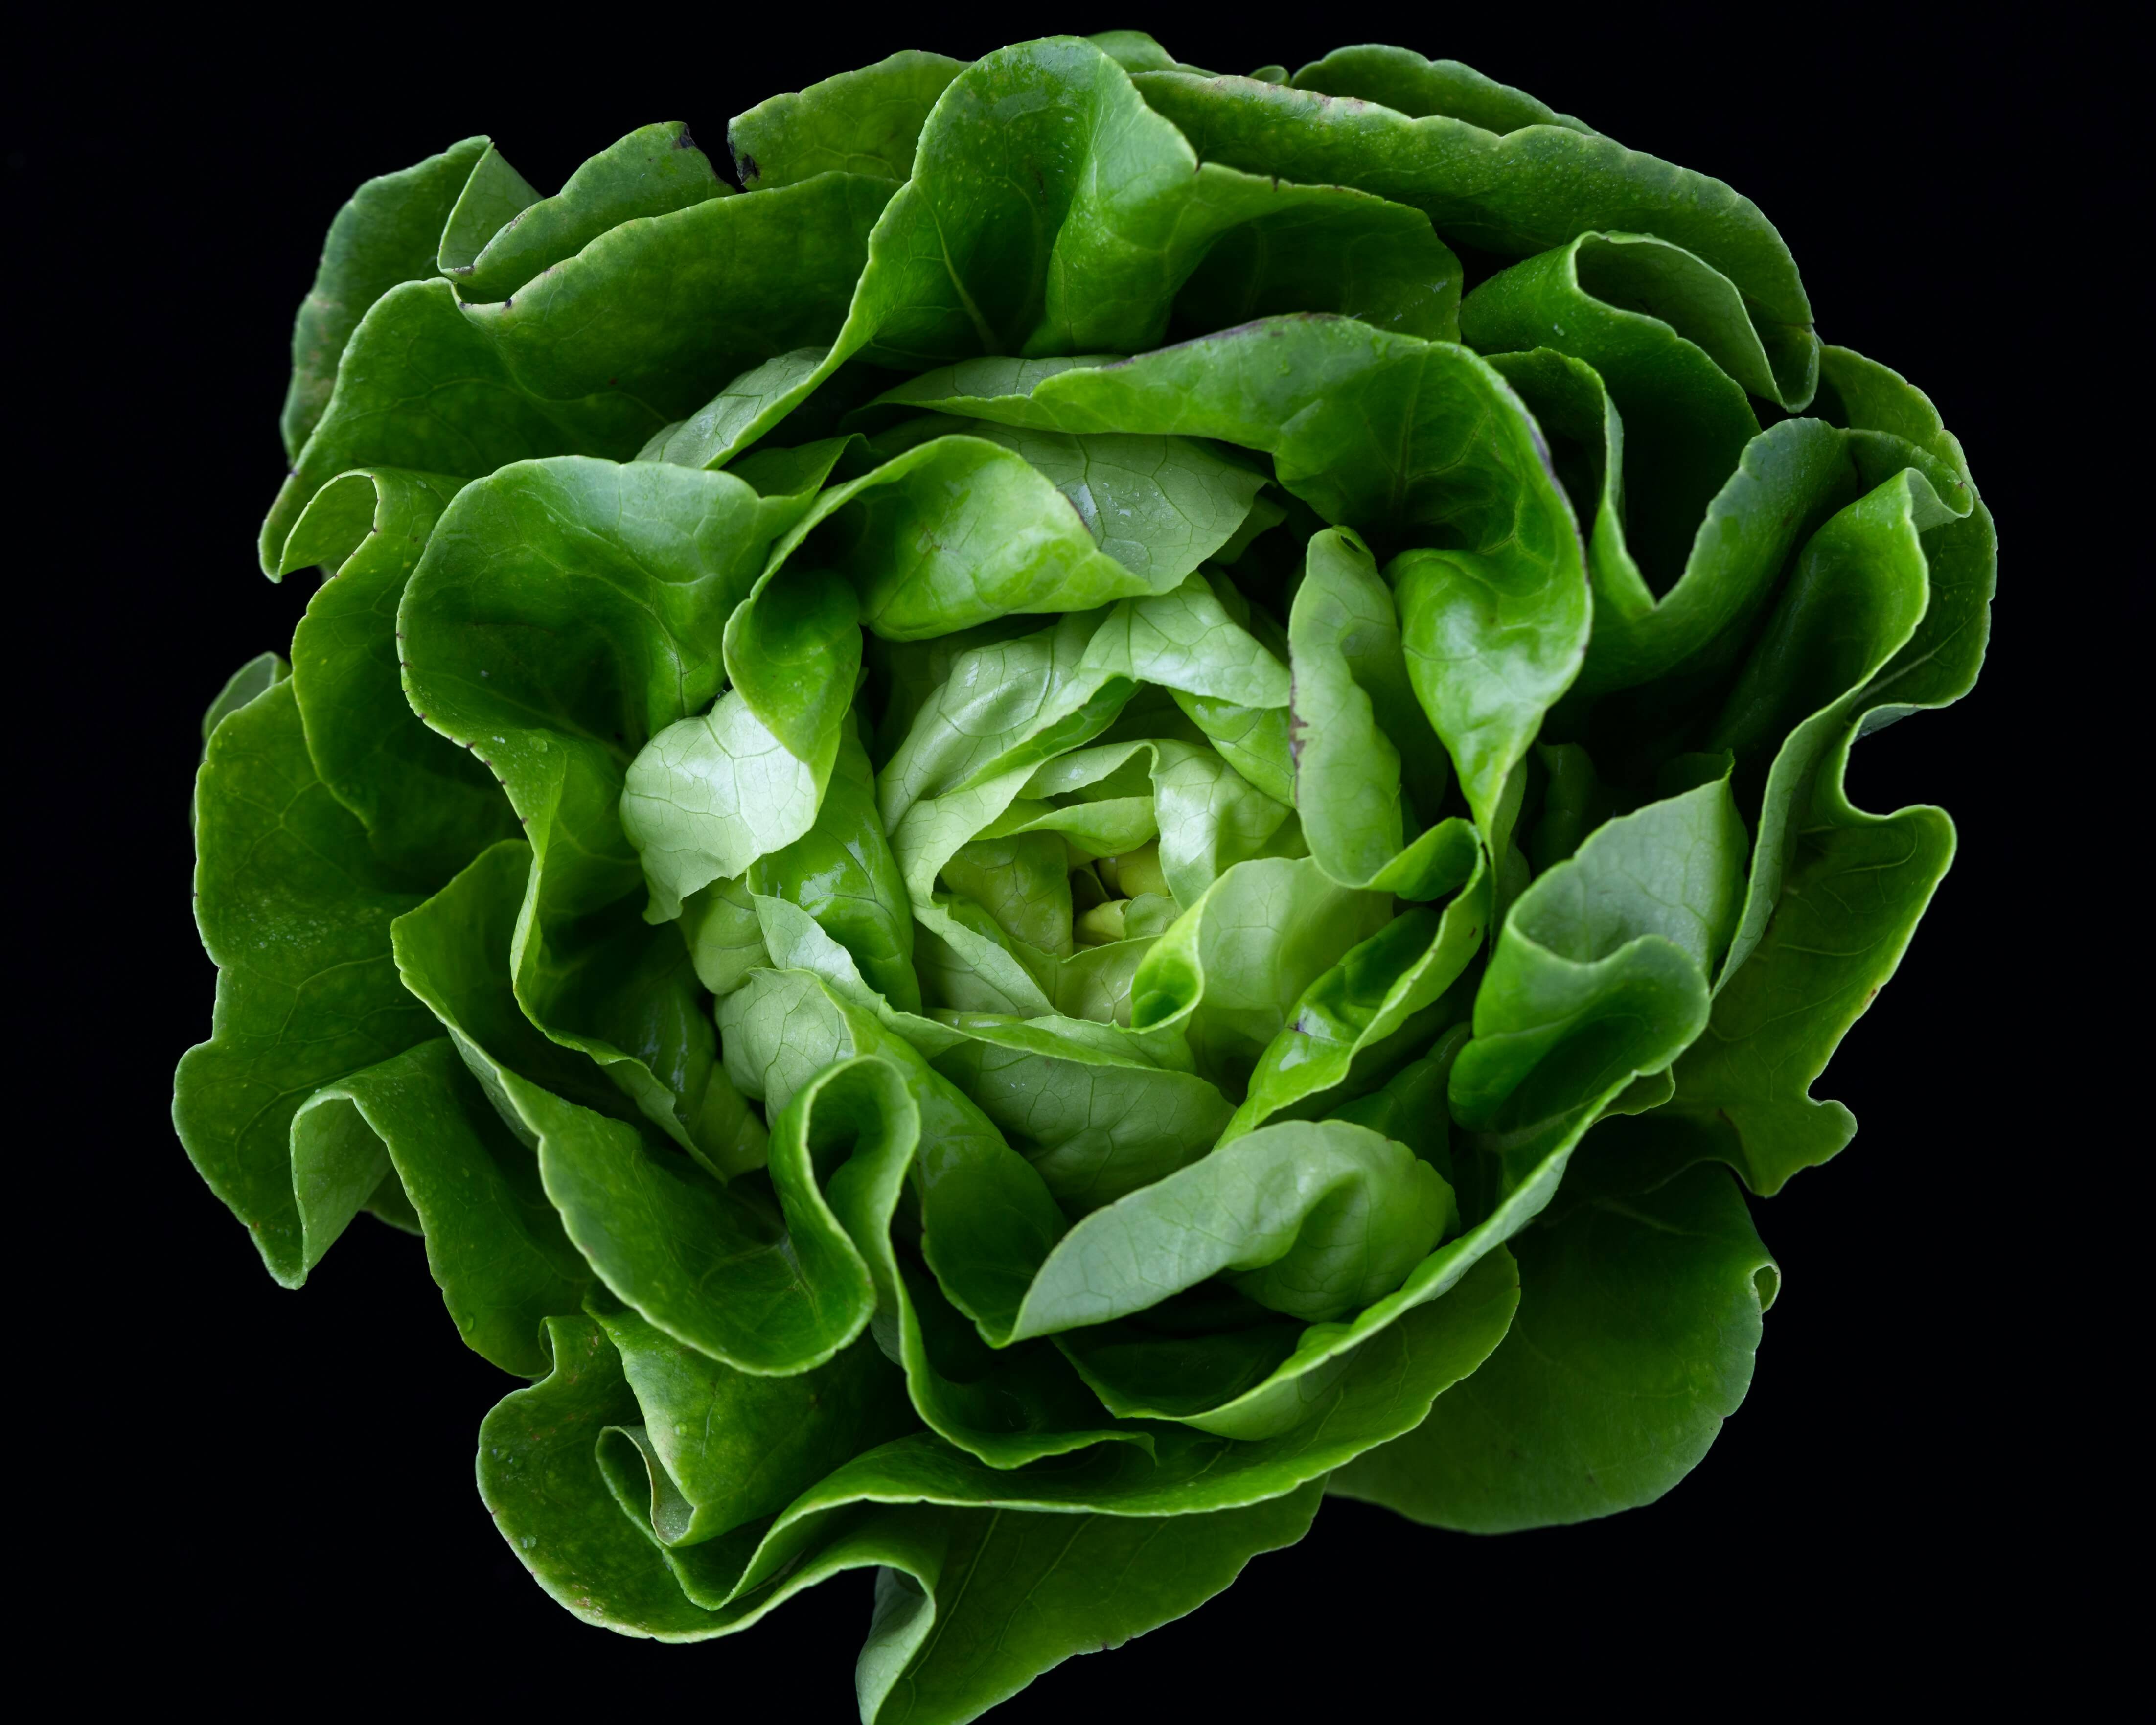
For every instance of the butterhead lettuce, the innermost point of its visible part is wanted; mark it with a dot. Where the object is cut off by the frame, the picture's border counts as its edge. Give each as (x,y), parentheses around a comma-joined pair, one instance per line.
(1118,802)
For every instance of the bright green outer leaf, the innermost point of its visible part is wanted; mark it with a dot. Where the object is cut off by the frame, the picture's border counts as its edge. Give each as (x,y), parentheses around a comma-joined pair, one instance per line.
(594,357)
(1536,188)
(1027,1592)
(495,195)
(429,808)
(385,235)
(1377,993)
(1377,1393)
(1846,889)
(1859,591)
(1399,78)
(420,388)
(1787,482)
(1314,1218)
(262,672)
(1639,1318)
(294,912)
(659,1230)
(719,1448)
(654,171)
(564,611)
(1369,769)
(1686,415)
(454,954)
(975,1599)
(494,1243)
(786,1030)
(1226,976)
(864,122)
(1360,256)
(1083,1104)
(1051,211)
(1598,974)
(669,308)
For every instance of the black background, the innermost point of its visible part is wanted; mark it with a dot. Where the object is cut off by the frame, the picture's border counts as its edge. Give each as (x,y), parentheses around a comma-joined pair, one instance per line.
(271,1492)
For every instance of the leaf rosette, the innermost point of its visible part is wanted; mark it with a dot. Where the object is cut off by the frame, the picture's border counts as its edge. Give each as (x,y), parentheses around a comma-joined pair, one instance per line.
(1027,844)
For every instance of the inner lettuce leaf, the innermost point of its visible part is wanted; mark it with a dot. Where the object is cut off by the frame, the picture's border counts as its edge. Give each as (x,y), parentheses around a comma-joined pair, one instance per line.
(1019,845)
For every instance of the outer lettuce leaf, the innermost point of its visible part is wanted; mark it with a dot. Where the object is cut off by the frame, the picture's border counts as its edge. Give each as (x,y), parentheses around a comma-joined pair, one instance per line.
(494,1243)
(1537,187)
(295,910)
(654,171)
(1086,246)
(429,808)
(1836,894)
(1638,1320)
(1054,1582)
(386,234)
(1678,376)
(564,611)
(864,122)
(594,357)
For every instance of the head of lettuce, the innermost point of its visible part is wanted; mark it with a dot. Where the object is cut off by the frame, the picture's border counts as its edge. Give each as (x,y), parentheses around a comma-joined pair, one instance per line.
(1025,844)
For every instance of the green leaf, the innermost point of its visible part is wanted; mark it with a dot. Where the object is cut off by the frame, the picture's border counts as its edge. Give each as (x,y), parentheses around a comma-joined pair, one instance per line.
(563,612)
(1835,893)
(295,911)
(1052,1582)
(1539,186)
(494,1243)
(718,1449)
(385,235)
(428,807)
(1381,994)
(1026,1591)
(1158,506)
(1390,435)
(1314,1219)
(1668,337)
(594,357)
(259,674)
(494,196)
(1399,78)
(1369,772)
(1227,975)
(1597,976)
(1787,480)
(1087,246)
(1090,1110)
(864,122)
(654,171)
(1639,1317)
(986,1221)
